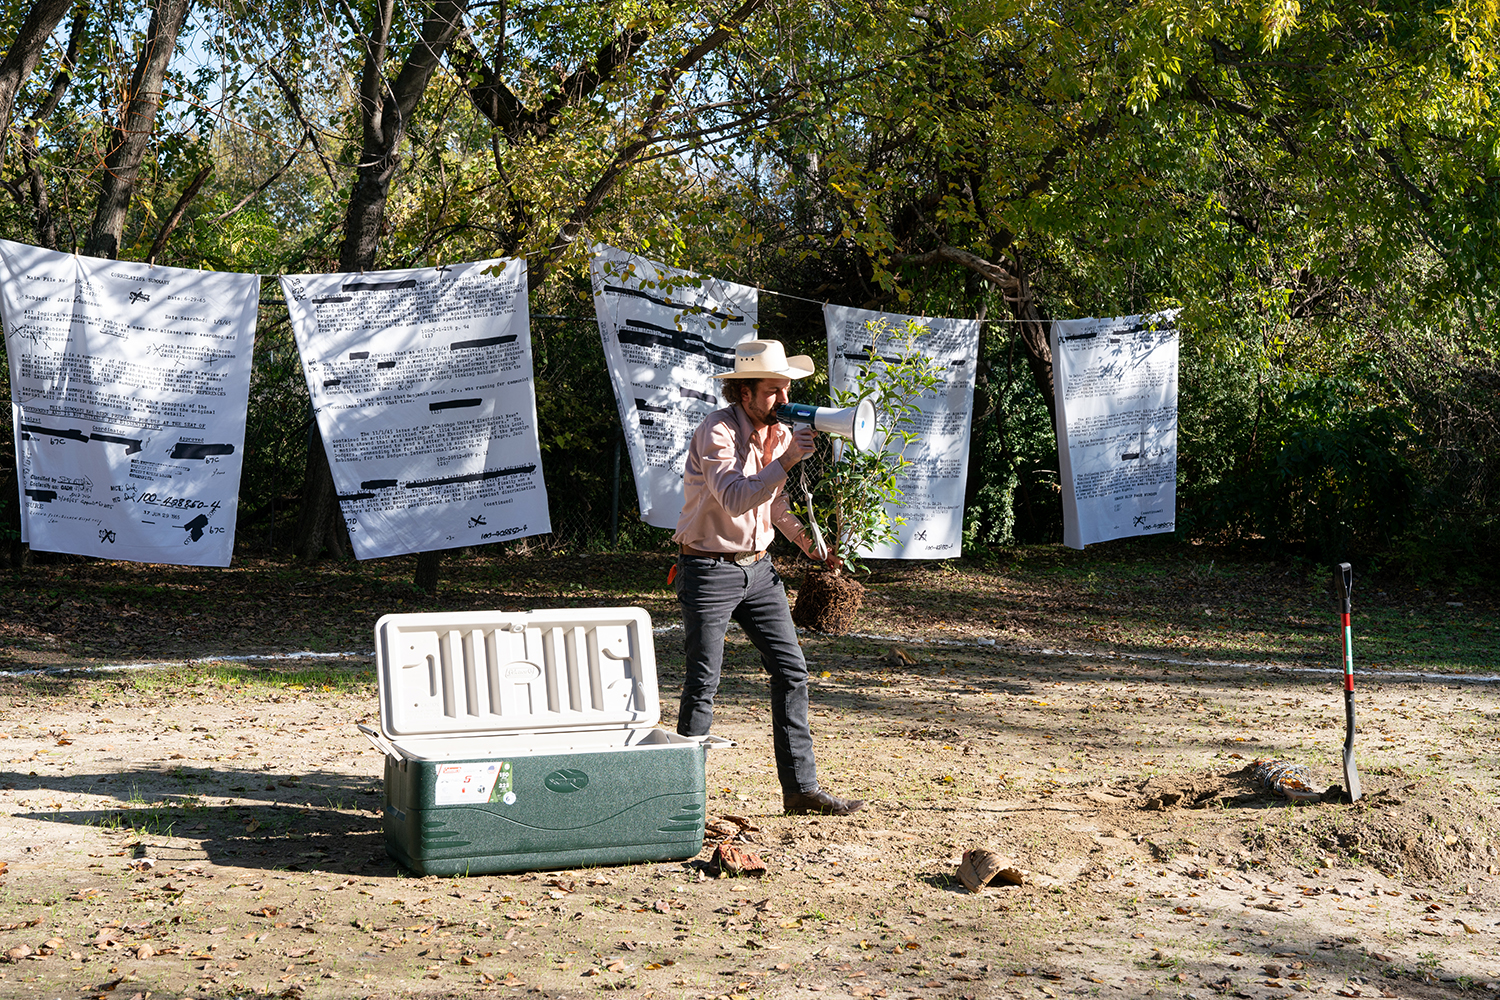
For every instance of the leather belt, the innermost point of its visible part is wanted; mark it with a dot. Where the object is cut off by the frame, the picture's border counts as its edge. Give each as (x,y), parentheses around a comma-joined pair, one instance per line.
(738,558)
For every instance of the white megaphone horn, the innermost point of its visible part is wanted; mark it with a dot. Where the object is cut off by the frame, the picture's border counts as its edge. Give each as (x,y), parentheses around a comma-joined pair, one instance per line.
(857,422)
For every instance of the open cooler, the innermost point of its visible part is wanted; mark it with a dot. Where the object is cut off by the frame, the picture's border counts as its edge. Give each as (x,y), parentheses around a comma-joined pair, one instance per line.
(528,739)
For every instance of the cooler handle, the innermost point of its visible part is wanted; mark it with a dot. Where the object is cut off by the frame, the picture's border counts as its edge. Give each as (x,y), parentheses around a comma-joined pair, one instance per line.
(715,742)
(382,744)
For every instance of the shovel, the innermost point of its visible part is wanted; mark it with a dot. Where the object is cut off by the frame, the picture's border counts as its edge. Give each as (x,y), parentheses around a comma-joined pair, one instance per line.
(1344,579)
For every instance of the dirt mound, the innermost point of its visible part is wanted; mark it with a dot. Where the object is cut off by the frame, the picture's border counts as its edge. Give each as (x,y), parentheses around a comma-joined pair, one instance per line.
(1187,791)
(1402,828)
(1162,792)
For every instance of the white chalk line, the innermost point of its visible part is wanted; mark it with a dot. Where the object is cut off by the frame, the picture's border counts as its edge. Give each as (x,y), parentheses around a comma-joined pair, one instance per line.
(1375,675)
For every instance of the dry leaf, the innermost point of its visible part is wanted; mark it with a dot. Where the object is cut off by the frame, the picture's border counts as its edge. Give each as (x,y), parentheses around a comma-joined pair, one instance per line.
(730,860)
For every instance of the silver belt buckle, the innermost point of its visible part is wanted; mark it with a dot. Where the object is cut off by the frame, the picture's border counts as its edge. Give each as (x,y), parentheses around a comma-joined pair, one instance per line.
(745,558)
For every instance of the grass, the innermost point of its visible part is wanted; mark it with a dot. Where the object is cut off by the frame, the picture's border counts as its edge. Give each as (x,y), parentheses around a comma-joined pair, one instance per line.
(1141,597)
(252,680)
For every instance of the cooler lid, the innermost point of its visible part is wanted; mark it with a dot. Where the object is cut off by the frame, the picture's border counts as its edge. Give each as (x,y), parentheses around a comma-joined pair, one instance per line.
(472,673)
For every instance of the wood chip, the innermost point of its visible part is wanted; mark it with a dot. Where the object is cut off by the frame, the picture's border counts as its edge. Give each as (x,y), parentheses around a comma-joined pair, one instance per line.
(981,867)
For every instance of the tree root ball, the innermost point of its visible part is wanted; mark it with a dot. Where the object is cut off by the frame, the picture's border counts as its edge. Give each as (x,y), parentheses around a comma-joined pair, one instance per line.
(827,602)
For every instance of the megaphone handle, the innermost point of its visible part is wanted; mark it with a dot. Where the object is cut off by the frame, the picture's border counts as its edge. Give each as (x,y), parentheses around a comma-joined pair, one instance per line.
(812,522)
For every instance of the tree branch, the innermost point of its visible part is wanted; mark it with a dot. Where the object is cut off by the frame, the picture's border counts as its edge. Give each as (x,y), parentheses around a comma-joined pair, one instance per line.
(646,135)
(21,58)
(188,194)
(46,228)
(493,99)
(263,185)
(295,103)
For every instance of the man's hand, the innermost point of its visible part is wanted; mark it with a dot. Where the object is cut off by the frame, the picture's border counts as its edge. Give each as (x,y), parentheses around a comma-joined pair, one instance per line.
(802,446)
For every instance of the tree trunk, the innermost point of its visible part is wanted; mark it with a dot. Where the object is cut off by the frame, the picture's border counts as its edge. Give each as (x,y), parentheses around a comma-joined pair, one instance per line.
(320,505)
(385,108)
(46,226)
(21,58)
(1013,283)
(132,136)
(426,577)
(1036,331)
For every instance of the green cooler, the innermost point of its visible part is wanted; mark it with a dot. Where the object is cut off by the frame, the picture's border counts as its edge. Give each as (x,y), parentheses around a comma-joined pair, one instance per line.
(528,739)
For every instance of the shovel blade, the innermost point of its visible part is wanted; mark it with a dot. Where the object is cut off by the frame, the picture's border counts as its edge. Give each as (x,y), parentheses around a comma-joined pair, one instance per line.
(1351,773)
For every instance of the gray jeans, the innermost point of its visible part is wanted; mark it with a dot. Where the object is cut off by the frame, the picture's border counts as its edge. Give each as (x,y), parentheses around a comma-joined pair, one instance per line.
(712,593)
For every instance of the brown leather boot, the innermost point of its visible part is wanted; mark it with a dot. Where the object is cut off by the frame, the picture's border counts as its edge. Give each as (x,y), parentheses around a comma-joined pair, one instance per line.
(819,802)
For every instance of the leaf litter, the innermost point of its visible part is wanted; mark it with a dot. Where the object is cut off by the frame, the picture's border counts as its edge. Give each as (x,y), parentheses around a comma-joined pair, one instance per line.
(1152,859)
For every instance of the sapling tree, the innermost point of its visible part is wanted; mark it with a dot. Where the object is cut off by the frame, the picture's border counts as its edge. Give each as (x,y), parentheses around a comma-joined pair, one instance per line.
(856,494)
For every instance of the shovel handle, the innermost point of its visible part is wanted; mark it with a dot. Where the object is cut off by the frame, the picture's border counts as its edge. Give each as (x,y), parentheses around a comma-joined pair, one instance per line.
(1344,583)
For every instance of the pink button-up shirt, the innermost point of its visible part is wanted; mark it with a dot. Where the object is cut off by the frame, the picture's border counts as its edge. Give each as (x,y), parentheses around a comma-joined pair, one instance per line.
(732,487)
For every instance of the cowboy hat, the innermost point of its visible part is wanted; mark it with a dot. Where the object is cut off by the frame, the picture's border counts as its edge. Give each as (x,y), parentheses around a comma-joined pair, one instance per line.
(767,359)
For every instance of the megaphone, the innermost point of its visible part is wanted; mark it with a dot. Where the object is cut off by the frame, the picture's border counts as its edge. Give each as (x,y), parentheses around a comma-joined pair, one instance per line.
(857,422)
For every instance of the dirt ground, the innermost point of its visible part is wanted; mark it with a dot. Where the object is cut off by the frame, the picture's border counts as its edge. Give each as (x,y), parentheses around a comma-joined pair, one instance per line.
(224,841)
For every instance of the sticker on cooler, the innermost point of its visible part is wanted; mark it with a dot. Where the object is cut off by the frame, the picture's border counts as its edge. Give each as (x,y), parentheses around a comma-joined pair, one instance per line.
(504,791)
(460,784)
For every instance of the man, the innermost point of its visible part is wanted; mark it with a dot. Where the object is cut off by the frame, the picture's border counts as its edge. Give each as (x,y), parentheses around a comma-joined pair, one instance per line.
(737,467)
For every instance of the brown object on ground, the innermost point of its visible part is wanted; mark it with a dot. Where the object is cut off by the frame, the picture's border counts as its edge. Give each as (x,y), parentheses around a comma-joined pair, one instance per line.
(1162,792)
(730,860)
(827,601)
(720,828)
(982,866)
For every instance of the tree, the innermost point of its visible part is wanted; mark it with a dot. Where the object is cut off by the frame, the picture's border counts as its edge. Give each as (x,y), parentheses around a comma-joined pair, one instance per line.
(21,57)
(133,132)
(385,109)
(1316,166)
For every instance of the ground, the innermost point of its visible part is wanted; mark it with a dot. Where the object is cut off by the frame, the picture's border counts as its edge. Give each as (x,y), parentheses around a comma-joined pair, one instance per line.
(213,829)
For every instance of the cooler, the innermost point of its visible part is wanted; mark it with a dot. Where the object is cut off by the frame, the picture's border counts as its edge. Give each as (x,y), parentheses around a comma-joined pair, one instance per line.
(528,739)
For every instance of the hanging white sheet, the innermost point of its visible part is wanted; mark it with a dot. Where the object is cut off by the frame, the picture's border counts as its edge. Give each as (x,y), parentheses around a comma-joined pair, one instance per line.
(421,382)
(129,386)
(932,487)
(666,334)
(1115,382)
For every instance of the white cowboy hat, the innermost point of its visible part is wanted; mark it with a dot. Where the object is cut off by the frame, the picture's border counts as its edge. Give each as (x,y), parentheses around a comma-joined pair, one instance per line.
(767,358)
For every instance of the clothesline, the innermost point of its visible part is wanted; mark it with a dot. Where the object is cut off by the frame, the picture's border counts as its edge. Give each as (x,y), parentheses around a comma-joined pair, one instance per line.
(595,319)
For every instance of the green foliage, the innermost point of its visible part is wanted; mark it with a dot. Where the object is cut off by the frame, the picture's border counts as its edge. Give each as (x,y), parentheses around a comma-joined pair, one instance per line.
(855,496)
(1013,462)
(276,435)
(1309,182)
(1334,475)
